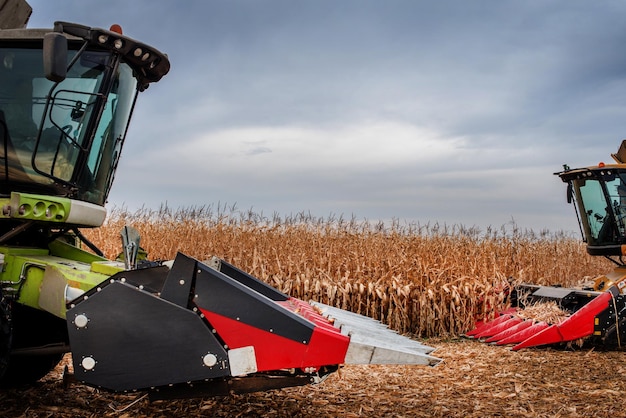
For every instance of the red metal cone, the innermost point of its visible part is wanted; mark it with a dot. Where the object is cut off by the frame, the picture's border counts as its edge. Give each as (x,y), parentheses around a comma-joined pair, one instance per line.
(497,328)
(491,324)
(478,325)
(482,325)
(521,335)
(579,325)
(510,331)
(548,335)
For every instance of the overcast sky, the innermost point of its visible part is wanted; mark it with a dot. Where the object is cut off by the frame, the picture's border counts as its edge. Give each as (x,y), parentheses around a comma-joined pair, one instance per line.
(456,112)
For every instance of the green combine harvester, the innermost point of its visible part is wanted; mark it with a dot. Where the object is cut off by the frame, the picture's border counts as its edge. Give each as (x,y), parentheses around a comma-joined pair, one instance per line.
(174,329)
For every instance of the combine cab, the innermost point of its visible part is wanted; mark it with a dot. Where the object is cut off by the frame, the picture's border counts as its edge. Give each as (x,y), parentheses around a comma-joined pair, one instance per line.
(175,329)
(596,313)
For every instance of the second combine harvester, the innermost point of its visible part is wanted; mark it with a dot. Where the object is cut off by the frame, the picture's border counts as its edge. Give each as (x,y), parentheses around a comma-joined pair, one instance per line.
(597,312)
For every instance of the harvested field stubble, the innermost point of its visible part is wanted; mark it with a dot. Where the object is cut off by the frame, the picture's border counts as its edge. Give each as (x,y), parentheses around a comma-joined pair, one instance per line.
(429,280)
(475,380)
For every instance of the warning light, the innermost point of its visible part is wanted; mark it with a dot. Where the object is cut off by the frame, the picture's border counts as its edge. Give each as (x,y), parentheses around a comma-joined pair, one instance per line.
(116,28)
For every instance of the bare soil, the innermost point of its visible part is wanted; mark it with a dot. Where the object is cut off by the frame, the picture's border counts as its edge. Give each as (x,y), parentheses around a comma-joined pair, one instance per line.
(474,380)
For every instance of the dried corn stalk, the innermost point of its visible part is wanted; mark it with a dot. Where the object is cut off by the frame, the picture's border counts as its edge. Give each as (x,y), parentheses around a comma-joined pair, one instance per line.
(428,280)
(548,311)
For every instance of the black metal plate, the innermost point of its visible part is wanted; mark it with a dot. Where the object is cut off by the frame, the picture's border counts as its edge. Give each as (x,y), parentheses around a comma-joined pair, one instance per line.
(219,293)
(251,281)
(139,341)
(179,282)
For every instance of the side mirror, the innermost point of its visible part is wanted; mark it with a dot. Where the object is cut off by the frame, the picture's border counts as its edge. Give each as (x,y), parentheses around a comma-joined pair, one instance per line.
(570,192)
(55,56)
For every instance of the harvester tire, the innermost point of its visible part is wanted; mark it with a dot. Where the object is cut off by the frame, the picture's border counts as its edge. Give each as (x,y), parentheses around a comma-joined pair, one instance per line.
(27,370)
(44,329)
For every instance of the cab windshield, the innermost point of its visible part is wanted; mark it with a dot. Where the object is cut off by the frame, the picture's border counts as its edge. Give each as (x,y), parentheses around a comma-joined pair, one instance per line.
(62,138)
(603,207)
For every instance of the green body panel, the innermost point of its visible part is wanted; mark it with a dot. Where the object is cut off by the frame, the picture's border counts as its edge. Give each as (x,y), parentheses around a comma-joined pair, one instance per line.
(39,277)
(51,209)
(36,207)
(65,250)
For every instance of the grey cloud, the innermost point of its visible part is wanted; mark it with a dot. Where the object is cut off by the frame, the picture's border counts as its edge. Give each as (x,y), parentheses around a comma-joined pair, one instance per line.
(258,150)
(526,85)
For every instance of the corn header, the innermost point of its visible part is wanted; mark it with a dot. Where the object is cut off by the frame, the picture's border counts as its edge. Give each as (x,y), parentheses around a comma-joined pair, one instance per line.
(174,329)
(595,312)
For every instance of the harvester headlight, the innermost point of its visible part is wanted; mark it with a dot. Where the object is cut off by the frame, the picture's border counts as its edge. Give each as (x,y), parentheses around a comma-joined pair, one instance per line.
(145,56)
(118,44)
(103,39)
(40,209)
(137,52)
(55,212)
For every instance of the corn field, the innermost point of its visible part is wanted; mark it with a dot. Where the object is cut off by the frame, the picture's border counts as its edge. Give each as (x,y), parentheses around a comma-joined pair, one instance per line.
(428,280)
